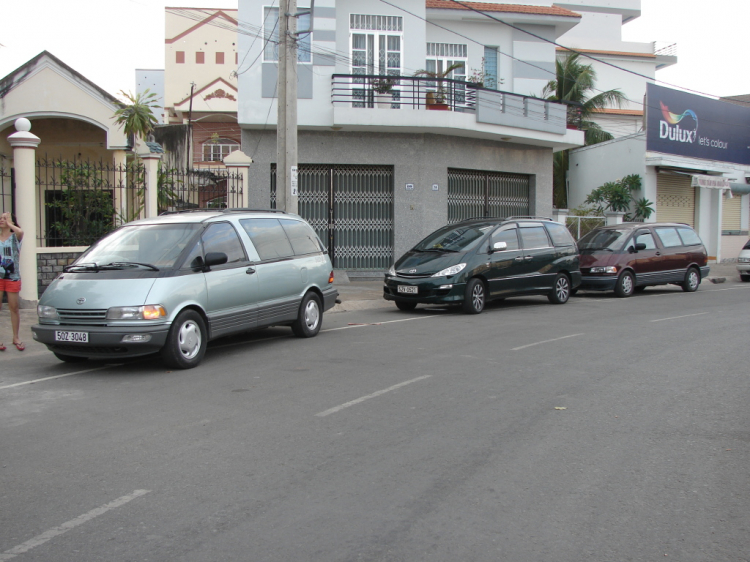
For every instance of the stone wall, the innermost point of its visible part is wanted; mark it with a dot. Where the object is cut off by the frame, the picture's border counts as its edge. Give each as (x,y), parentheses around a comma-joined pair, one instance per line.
(50,265)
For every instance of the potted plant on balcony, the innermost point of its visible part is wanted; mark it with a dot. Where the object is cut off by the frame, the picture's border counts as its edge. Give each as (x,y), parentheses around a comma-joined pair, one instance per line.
(382,88)
(437,99)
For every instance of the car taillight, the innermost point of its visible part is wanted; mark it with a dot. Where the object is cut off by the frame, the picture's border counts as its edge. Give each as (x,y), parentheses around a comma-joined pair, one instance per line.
(330,277)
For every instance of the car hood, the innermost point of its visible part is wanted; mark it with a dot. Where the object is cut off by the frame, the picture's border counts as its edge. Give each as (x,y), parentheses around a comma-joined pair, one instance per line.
(426,263)
(598,259)
(66,291)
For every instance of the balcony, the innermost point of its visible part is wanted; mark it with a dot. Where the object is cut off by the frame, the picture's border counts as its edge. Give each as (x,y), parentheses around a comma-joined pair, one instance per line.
(444,106)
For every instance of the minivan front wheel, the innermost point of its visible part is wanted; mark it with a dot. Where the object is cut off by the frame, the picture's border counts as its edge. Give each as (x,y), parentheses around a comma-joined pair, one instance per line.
(561,290)
(475,297)
(186,341)
(309,318)
(692,280)
(625,285)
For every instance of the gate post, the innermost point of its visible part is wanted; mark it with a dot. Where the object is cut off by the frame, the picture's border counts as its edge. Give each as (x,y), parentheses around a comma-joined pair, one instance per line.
(238,163)
(24,145)
(151,161)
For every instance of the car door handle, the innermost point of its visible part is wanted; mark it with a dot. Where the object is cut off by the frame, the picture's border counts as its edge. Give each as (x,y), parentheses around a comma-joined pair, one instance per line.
(250,270)
(658,253)
(527,258)
(519,258)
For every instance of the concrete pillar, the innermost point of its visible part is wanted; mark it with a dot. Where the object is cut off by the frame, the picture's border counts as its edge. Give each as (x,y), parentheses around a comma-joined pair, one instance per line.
(560,215)
(614,217)
(24,145)
(238,163)
(151,164)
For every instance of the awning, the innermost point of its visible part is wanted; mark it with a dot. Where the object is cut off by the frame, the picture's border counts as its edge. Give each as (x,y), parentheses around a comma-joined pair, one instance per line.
(711,182)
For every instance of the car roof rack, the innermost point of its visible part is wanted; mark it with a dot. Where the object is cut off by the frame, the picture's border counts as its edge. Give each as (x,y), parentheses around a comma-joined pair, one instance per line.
(229,210)
(517,217)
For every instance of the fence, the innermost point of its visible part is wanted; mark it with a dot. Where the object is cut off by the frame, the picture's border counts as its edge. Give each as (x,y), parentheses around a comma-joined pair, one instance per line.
(204,188)
(581,226)
(7,203)
(81,201)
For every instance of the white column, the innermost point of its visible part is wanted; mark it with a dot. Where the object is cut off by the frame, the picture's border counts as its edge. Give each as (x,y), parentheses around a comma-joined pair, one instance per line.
(560,215)
(24,146)
(239,163)
(151,163)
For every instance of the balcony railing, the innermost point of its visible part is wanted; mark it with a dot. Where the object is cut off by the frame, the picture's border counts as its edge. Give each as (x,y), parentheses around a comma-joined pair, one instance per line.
(362,91)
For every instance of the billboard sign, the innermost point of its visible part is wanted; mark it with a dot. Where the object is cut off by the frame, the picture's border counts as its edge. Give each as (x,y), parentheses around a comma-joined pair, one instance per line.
(695,126)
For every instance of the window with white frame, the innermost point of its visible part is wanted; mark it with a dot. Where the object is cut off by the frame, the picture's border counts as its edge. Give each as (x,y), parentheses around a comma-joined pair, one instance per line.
(376,50)
(271,36)
(217,150)
(440,58)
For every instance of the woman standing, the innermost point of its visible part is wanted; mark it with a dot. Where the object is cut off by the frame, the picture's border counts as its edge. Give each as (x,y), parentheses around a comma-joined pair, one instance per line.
(10,272)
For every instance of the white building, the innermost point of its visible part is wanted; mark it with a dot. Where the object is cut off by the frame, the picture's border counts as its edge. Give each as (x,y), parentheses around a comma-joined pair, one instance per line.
(380,170)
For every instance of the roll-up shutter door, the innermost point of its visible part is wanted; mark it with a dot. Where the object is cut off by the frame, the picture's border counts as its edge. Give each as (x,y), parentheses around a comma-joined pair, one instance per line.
(675,199)
(731,213)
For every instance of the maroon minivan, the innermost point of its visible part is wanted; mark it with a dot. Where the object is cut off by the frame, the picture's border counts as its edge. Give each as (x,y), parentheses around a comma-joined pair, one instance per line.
(627,258)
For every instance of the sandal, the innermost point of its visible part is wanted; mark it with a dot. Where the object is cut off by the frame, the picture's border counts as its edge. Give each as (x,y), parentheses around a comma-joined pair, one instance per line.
(19,346)
(2,347)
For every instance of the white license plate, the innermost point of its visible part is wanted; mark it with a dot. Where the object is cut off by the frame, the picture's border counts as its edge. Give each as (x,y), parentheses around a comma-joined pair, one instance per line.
(407,289)
(76,337)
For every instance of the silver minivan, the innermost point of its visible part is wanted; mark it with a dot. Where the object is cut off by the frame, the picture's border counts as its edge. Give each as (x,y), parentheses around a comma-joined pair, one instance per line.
(172,283)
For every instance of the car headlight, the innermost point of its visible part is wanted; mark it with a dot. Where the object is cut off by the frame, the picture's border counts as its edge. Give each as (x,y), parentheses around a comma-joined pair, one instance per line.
(48,312)
(607,269)
(452,270)
(392,270)
(148,312)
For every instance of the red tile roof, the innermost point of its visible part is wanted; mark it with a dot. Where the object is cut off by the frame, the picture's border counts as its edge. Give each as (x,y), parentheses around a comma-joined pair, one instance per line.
(514,8)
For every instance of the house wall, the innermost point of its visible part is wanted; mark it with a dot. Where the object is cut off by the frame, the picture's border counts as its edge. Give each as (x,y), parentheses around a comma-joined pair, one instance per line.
(592,166)
(419,159)
(64,139)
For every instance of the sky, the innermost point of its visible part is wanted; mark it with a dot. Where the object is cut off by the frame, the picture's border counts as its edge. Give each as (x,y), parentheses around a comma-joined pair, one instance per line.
(106,40)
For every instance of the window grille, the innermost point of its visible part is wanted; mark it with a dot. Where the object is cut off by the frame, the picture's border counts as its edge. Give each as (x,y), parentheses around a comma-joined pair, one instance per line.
(376,23)
(450,50)
(216,151)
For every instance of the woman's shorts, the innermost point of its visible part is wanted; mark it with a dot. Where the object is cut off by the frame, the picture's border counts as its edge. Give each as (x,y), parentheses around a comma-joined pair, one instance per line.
(9,286)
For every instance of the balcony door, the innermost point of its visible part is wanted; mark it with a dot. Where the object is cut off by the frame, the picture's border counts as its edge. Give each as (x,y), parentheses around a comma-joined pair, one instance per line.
(376,44)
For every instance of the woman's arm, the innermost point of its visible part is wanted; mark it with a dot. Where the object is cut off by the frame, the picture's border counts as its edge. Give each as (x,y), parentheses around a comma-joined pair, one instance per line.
(15,229)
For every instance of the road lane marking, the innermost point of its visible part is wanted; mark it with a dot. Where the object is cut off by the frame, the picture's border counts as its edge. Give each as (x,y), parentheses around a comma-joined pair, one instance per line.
(72,524)
(58,377)
(678,317)
(380,323)
(545,341)
(373,395)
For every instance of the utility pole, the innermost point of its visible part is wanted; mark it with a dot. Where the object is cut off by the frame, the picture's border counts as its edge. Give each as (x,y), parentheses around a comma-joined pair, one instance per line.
(286,132)
(190,129)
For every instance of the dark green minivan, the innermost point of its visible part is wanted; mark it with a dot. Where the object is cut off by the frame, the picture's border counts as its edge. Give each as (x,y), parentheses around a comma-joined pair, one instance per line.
(479,260)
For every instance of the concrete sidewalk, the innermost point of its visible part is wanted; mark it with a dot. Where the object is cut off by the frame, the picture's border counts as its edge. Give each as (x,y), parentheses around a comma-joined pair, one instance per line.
(354,295)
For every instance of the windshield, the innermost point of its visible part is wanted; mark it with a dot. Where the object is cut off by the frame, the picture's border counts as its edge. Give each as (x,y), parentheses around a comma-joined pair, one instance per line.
(454,238)
(604,239)
(150,246)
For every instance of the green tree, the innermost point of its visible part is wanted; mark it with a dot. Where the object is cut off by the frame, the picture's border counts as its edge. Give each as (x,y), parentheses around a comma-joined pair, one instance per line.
(137,117)
(618,196)
(574,83)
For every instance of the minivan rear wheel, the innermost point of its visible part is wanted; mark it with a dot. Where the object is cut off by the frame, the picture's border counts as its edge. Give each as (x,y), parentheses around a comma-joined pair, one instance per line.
(475,297)
(692,280)
(186,341)
(561,290)
(309,318)
(625,285)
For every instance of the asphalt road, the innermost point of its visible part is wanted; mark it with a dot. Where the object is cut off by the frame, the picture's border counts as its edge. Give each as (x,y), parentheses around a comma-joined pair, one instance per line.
(602,430)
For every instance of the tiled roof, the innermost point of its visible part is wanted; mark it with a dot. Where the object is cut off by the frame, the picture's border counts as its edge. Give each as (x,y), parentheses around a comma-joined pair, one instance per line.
(614,111)
(512,8)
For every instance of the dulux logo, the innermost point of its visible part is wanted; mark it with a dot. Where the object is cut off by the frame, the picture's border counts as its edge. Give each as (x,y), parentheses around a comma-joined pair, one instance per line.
(670,129)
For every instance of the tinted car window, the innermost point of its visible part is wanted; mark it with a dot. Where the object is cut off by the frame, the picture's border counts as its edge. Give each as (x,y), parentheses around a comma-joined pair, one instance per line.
(221,237)
(534,237)
(746,246)
(456,238)
(603,239)
(303,238)
(689,237)
(510,237)
(669,237)
(269,238)
(559,234)
(645,238)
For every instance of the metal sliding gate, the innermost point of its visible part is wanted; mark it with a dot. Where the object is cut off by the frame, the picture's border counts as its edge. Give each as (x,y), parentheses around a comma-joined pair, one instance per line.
(351,210)
(473,193)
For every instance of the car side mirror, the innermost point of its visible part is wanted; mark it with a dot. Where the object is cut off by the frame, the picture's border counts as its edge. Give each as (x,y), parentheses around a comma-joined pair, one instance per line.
(499,247)
(215,258)
(640,246)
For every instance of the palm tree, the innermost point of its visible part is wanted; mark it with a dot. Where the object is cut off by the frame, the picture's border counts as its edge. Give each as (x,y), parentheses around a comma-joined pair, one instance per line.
(573,84)
(137,117)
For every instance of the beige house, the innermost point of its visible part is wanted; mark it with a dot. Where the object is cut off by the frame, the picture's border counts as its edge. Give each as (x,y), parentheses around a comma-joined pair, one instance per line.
(200,82)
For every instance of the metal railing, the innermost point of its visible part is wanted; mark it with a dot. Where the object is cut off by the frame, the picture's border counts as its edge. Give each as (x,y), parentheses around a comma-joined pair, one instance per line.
(199,188)
(581,226)
(81,201)
(6,189)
